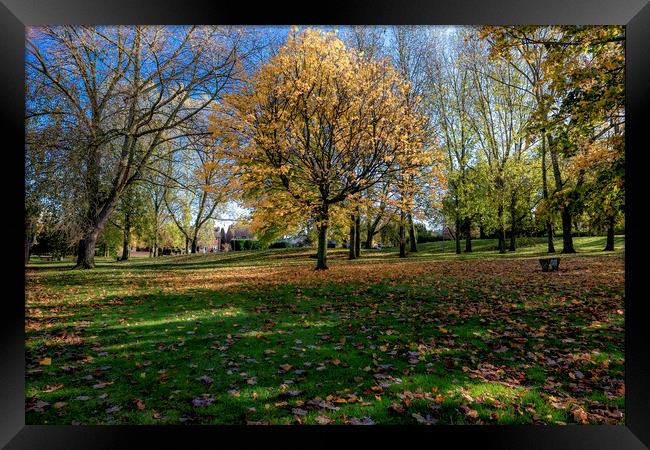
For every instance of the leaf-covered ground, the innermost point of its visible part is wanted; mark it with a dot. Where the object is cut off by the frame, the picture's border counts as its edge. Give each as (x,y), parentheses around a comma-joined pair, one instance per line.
(262,338)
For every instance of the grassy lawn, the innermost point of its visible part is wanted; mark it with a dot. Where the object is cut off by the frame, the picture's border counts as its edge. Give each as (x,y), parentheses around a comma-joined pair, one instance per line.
(260,337)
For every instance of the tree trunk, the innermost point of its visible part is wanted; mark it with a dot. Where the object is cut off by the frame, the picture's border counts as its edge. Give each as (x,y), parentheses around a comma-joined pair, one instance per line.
(468,235)
(502,231)
(187,245)
(86,252)
(457,235)
(357,235)
(513,227)
(549,232)
(412,238)
(353,235)
(402,236)
(372,229)
(28,247)
(155,232)
(567,237)
(194,243)
(609,247)
(86,247)
(549,224)
(482,234)
(321,227)
(127,238)
(371,233)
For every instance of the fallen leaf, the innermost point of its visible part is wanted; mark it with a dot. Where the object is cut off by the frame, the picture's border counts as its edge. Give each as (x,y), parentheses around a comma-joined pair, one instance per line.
(323,420)
(139,404)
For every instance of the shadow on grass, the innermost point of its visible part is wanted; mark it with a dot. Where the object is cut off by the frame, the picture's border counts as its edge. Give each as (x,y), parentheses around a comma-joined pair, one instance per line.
(157,348)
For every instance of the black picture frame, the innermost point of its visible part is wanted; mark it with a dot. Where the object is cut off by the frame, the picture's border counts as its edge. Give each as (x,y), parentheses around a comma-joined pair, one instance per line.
(16,14)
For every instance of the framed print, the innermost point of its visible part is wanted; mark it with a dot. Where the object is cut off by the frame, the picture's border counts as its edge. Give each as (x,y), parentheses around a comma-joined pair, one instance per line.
(419,217)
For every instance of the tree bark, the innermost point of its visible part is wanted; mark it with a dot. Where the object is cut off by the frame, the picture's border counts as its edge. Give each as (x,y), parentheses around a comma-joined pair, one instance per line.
(369,236)
(127,238)
(502,231)
(402,236)
(567,237)
(457,235)
(549,224)
(321,227)
(411,225)
(482,234)
(513,221)
(357,235)
(353,235)
(609,247)
(86,246)
(86,252)
(372,229)
(28,247)
(468,235)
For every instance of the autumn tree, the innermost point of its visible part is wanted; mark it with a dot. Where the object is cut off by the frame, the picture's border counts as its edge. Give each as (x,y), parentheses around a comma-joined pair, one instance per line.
(501,119)
(577,75)
(120,92)
(318,124)
(451,106)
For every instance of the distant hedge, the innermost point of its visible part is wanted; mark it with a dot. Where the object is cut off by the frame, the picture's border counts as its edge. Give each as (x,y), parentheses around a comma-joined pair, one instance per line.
(245,244)
(280,244)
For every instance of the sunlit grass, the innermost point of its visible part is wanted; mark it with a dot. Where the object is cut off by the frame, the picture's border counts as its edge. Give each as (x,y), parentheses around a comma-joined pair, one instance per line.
(431,338)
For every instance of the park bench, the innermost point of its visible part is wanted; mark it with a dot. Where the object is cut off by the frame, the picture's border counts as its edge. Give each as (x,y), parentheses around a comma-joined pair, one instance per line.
(45,258)
(550,264)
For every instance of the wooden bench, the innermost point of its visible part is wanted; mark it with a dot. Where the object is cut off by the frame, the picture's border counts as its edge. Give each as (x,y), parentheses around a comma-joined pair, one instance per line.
(550,264)
(45,258)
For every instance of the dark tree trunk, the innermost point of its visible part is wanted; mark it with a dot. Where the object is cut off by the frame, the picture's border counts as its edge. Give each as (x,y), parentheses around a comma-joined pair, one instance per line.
(482,234)
(155,234)
(513,228)
(371,233)
(457,231)
(28,248)
(86,252)
(353,235)
(402,236)
(126,251)
(357,235)
(194,244)
(609,247)
(411,225)
(468,235)
(323,222)
(187,245)
(502,231)
(549,224)
(549,233)
(372,229)
(86,247)
(567,236)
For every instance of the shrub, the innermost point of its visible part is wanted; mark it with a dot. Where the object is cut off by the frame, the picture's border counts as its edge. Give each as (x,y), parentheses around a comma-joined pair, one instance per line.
(279,244)
(245,244)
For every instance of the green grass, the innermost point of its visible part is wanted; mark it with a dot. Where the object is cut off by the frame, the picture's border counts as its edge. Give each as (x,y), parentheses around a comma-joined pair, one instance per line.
(438,338)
